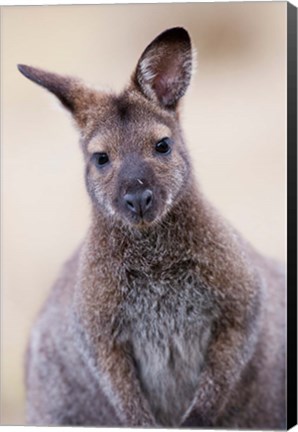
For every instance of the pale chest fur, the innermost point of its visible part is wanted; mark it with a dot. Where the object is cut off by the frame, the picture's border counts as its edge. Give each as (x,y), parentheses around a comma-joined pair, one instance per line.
(166,317)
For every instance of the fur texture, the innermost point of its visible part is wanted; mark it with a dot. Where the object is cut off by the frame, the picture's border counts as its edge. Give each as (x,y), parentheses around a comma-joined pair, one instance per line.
(165,315)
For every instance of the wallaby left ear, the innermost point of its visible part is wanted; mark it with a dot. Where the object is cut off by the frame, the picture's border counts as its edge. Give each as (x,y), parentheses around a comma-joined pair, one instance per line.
(72,93)
(164,70)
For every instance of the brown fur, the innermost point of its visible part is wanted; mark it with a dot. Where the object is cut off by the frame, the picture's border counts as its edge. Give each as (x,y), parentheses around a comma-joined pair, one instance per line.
(164,316)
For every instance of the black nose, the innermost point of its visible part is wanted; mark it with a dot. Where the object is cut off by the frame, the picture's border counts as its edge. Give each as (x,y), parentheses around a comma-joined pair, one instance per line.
(139,202)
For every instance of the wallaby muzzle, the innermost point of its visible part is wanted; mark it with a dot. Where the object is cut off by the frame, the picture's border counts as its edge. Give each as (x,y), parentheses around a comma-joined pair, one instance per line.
(139,198)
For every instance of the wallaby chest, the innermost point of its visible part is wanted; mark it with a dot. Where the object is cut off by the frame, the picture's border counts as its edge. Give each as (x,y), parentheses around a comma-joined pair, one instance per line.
(166,318)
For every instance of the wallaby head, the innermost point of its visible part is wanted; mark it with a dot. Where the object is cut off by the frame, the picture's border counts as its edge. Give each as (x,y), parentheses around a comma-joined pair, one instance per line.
(136,162)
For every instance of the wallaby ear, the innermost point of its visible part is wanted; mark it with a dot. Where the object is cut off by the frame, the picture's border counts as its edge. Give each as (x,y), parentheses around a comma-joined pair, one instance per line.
(164,70)
(72,93)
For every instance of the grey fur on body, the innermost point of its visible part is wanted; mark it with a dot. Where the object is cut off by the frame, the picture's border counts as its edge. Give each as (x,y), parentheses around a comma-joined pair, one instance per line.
(164,316)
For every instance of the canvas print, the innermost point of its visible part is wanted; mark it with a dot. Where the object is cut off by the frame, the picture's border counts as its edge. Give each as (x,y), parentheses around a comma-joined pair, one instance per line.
(159,182)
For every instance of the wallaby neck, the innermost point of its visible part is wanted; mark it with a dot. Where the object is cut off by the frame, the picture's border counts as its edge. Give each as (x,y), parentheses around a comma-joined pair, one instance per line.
(174,235)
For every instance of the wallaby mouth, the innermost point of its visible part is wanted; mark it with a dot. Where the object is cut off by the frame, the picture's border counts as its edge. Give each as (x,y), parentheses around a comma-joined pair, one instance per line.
(139,207)
(139,203)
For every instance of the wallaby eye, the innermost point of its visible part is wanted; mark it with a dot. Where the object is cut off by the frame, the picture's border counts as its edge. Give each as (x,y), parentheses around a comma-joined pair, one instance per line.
(163,146)
(100,159)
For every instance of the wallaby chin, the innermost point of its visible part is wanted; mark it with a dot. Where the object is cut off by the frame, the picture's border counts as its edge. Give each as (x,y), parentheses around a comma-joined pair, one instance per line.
(165,316)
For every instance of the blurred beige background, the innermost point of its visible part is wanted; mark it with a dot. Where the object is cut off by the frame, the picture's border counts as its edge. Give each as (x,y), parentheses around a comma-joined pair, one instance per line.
(234,119)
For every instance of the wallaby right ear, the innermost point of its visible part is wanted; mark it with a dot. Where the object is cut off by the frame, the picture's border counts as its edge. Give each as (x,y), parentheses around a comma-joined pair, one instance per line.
(164,70)
(73,94)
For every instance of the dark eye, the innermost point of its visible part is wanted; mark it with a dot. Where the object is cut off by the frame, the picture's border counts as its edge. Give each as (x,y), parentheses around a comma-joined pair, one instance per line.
(100,159)
(163,146)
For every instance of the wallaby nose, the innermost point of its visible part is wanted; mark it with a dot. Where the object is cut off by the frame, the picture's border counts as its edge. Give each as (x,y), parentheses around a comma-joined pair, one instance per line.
(139,202)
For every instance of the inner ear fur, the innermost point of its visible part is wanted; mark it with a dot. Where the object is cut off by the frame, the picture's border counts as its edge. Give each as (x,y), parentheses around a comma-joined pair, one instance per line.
(164,70)
(72,93)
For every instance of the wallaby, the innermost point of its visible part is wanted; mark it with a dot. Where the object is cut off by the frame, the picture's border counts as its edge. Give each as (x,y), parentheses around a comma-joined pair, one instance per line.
(165,316)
